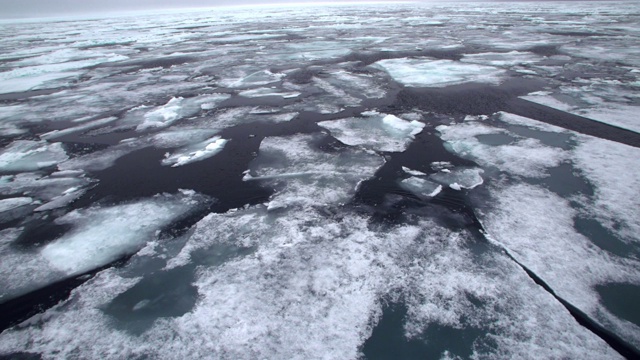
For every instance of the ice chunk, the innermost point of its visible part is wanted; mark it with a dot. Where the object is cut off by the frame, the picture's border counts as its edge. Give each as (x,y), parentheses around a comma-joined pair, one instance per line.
(101,235)
(196,152)
(258,78)
(84,127)
(175,109)
(526,157)
(412,172)
(379,132)
(467,178)
(67,197)
(427,72)
(13,203)
(306,176)
(268,92)
(422,188)
(174,138)
(502,59)
(44,188)
(27,155)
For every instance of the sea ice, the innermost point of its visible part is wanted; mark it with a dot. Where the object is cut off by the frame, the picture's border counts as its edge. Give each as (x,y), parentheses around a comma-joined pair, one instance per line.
(427,72)
(28,155)
(195,152)
(306,176)
(13,203)
(526,157)
(424,189)
(268,92)
(104,234)
(466,178)
(98,236)
(507,59)
(380,132)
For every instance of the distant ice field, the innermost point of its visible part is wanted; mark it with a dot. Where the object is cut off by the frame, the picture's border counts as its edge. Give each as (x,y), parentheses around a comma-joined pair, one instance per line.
(372,181)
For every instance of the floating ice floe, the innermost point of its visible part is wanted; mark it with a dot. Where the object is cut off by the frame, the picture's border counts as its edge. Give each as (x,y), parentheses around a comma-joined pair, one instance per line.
(458,178)
(525,157)
(13,203)
(27,155)
(312,284)
(195,152)
(98,236)
(178,108)
(413,172)
(427,72)
(258,78)
(375,131)
(259,92)
(304,175)
(44,76)
(55,190)
(506,59)
(83,127)
(556,252)
(616,114)
(424,189)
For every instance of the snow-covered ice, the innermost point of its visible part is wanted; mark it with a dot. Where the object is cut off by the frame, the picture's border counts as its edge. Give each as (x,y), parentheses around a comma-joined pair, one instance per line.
(195,152)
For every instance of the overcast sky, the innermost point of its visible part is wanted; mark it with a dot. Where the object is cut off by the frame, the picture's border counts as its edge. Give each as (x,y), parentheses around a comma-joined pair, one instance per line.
(37,8)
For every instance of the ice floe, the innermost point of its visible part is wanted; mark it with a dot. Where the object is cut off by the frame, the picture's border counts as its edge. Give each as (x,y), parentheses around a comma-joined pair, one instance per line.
(313,284)
(27,155)
(98,236)
(526,157)
(268,92)
(375,131)
(13,203)
(304,175)
(427,72)
(506,59)
(424,189)
(466,178)
(195,152)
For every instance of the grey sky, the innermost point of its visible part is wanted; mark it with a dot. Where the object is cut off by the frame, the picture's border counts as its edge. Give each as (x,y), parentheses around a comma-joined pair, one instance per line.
(37,8)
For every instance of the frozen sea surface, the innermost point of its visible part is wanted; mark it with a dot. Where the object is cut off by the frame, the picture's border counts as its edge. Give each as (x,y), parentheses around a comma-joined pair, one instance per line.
(373,181)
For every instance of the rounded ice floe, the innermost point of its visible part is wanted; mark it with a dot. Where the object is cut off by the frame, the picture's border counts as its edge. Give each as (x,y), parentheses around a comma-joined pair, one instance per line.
(381,132)
(27,155)
(304,175)
(427,72)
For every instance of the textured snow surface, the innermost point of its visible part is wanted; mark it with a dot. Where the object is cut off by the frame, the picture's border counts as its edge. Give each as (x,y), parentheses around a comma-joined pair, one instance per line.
(353,151)
(315,295)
